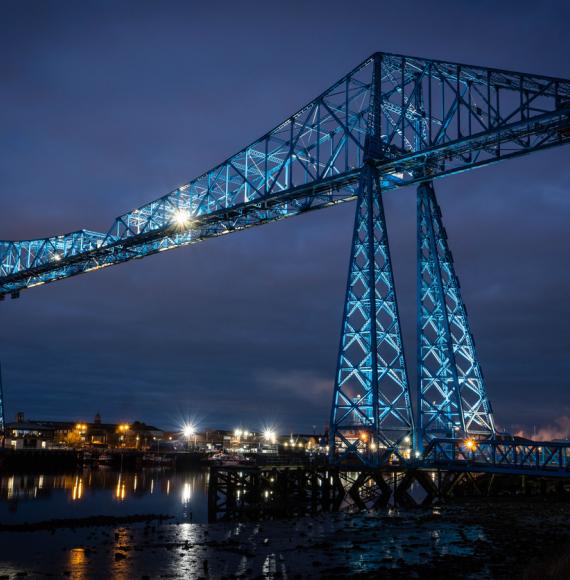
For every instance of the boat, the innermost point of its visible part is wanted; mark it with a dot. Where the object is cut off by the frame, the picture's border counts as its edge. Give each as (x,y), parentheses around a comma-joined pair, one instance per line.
(105,458)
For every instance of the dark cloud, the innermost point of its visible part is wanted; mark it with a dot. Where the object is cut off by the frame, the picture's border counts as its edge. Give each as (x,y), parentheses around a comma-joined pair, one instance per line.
(106,105)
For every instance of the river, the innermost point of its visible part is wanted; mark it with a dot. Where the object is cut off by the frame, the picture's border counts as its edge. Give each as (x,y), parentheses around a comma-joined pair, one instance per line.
(94,492)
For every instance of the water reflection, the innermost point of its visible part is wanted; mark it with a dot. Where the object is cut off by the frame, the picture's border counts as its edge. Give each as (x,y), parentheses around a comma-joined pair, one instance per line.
(119,555)
(91,492)
(77,562)
(121,491)
(77,492)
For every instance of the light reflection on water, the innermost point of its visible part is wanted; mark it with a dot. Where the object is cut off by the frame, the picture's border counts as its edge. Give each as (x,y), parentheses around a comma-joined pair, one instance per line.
(93,492)
(354,544)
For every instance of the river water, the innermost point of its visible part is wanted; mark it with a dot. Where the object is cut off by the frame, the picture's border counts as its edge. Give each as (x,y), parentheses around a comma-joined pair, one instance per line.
(39,497)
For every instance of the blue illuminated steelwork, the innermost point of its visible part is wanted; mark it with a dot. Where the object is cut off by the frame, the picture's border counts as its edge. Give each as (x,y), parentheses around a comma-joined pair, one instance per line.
(434,118)
(500,456)
(371,412)
(392,121)
(452,398)
(2,411)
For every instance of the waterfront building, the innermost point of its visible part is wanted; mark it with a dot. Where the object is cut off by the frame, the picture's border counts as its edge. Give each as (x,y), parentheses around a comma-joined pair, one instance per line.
(40,434)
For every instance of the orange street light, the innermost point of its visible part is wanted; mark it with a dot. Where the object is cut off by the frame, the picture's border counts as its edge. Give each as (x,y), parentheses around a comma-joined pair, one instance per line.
(471,444)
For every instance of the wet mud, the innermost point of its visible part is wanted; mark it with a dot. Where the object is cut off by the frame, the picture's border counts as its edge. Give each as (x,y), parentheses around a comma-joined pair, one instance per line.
(472,539)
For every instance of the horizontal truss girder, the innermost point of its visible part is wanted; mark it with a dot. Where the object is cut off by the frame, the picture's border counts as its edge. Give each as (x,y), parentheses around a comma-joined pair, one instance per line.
(430,118)
(500,456)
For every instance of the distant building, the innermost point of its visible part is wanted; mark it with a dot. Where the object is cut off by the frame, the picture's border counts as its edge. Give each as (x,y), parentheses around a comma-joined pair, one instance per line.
(28,434)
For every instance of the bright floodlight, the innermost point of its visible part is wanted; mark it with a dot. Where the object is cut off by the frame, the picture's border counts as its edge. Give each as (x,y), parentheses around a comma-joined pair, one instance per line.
(181,217)
(471,444)
(188,430)
(269,435)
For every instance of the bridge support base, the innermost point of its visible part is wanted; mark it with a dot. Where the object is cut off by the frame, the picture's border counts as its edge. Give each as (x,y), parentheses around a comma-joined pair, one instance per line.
(240,492)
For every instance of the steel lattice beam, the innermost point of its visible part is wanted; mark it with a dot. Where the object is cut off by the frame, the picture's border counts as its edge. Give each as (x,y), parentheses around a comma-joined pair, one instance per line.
(500,456)
(429,118)
(2,410)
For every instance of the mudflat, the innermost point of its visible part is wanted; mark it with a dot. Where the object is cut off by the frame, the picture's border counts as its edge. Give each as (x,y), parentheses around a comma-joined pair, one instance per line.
(475,539)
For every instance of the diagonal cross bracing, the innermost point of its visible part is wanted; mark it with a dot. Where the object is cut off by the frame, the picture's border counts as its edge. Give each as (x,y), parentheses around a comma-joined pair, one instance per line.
(452,397)
(431,118)
(371,413)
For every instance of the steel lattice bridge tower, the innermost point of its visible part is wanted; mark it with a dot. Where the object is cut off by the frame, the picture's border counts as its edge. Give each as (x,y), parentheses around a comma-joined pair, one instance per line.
(391,122)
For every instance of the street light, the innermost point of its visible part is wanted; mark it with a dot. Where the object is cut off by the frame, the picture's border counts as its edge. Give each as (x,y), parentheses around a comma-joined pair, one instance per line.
(269,435)
(123,428)
(188,431)
(471,444)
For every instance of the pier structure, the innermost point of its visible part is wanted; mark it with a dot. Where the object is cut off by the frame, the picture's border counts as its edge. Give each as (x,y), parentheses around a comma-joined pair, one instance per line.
(307,489)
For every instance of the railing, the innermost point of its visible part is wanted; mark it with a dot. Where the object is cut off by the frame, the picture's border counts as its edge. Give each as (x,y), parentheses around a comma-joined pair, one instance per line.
(498,456)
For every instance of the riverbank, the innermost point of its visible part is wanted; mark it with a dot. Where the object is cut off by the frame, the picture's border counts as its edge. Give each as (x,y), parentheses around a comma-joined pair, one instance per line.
(474,540)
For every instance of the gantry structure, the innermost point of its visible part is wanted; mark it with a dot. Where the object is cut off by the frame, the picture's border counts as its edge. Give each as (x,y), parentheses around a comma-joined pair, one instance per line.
(392,122)
(2,409)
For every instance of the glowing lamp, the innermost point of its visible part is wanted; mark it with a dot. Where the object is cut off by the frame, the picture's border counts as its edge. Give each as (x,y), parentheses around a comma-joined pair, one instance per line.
(188,430)
(471,444)
(181,217)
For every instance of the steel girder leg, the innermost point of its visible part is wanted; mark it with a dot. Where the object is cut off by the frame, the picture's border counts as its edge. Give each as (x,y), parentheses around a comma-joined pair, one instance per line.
(371,414)
(2,411)
(452,398)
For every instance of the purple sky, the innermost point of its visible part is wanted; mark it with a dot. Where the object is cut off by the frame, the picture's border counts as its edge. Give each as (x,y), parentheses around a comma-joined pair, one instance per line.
(106,105)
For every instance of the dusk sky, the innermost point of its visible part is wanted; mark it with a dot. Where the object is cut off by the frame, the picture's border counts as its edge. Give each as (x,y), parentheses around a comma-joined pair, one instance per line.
(105,105)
